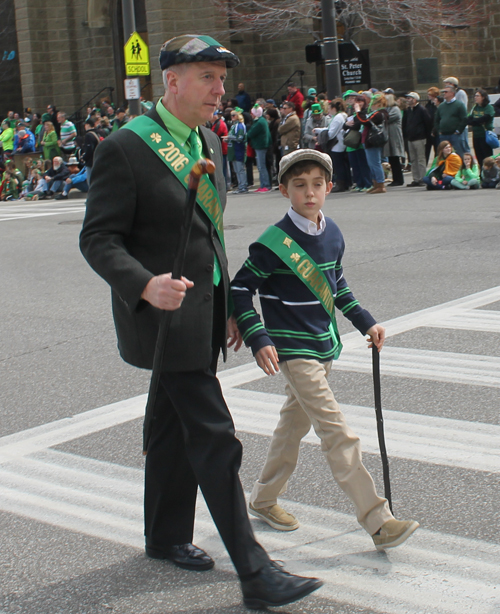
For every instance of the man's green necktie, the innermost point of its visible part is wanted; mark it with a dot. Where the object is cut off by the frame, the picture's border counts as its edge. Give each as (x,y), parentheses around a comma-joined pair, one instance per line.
(196,151)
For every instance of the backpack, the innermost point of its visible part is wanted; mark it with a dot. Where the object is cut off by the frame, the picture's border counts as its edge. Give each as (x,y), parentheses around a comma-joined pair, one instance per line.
(325,144)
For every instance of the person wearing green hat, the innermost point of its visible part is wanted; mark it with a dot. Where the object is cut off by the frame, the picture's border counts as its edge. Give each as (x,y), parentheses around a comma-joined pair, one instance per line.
(349,97)
(317,119)
(134,215)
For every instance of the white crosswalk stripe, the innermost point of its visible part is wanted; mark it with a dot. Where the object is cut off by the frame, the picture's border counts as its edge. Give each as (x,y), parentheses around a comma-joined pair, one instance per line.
(434,572)
(24,210)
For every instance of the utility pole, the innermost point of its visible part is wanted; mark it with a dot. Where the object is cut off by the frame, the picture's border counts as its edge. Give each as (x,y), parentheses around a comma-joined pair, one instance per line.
(128,11)
(331,49)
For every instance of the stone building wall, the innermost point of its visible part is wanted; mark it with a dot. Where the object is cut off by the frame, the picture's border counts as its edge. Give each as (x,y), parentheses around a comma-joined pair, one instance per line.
(62,60)
(74,48)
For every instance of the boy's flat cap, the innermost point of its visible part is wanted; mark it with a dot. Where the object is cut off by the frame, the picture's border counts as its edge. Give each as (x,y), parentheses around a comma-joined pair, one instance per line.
(195,48)
(301,155)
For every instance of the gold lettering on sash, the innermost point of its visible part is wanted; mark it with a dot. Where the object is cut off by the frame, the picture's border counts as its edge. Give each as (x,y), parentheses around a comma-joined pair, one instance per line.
(302,266)
(206,197)
(172,154)
(180,163)
(164,150)
(312,278)
(307,269)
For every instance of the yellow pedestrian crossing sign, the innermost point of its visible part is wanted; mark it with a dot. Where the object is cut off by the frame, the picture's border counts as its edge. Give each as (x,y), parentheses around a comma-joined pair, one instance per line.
(136,56)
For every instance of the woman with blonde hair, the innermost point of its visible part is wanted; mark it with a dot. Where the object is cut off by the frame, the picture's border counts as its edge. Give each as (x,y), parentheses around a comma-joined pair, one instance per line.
(374,137)
(49,142)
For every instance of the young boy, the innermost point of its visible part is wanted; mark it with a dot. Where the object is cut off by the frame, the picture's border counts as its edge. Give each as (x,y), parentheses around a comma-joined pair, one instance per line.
(296,266)
(490,174)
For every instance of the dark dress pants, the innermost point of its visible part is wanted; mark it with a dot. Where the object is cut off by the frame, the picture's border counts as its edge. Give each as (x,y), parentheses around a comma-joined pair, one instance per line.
(481,149)
(193,443)
(341,167)
(397,171)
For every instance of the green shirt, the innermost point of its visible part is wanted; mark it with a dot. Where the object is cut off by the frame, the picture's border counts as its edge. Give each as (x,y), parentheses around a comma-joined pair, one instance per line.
(179,130)
(7,138)
(479,111)
(182,134)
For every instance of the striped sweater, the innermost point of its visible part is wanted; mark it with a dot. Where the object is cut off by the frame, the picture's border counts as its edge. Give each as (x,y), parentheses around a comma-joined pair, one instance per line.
(295,321)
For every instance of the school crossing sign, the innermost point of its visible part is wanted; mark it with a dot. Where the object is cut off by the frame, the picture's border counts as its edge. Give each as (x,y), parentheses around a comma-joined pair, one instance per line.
(136,57)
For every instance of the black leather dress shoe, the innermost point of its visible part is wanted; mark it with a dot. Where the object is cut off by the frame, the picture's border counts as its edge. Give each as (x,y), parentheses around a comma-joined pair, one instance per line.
(273,586)
(185,556)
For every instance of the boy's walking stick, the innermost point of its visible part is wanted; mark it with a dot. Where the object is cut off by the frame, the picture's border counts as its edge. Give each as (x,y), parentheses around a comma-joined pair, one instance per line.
(200,168)
(380,423)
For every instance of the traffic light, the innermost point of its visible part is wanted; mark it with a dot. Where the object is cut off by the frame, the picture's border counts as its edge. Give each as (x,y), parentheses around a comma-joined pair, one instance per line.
(314,53)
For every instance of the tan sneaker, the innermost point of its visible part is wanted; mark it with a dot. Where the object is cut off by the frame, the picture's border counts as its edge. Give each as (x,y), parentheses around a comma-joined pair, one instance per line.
(393,533)
(276,517)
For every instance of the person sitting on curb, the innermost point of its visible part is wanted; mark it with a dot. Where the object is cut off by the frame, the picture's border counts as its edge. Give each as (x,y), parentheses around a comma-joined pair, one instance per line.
(9,188)
(446,165)
(40,190)
(296,289)
(56,175)
(467,177)
(490,174)
(77,179)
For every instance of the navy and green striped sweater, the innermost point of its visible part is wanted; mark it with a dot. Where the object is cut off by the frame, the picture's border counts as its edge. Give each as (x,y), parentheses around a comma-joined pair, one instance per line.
(295,321)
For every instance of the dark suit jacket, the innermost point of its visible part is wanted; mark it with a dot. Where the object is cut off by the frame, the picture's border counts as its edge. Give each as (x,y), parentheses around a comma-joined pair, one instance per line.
(135,209)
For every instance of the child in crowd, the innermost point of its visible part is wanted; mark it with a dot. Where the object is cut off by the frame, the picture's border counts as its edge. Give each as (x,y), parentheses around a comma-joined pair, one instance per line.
(468,176)
(296,266)
(39,191)
(445,166)
(9,189)
(490,174)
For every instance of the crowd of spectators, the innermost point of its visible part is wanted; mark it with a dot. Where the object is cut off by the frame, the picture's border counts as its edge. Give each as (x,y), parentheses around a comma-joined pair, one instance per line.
(371,136)
(55,158)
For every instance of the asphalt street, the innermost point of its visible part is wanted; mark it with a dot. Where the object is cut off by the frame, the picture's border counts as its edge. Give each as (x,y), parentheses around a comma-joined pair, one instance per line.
(71,468)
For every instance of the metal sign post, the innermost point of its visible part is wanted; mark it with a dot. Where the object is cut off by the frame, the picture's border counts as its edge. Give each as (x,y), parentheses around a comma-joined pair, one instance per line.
(128,29)
(331,50)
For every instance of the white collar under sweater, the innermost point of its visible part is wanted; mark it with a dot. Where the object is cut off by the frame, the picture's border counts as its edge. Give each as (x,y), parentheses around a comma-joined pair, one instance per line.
(302,223)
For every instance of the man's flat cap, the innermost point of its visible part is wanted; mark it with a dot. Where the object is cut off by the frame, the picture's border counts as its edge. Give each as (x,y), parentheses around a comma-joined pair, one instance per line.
(195,48)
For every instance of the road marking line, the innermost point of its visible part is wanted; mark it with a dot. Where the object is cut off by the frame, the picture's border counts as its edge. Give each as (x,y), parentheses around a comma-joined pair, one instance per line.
(434,572)
(477,320)
(470,369)
(27,215)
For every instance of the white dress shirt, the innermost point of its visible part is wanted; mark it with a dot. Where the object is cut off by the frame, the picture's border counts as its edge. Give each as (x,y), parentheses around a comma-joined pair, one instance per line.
(307,226)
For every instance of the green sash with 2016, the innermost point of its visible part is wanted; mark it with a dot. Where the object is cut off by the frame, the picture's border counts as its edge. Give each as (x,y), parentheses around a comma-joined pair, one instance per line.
(307,271)
(180,163)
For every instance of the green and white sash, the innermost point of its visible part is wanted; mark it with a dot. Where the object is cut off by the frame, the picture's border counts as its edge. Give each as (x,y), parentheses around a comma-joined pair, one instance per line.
(180,163)
(299,261)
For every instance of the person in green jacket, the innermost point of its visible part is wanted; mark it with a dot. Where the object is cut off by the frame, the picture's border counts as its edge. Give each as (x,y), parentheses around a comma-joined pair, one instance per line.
(481,119)
(468,177)
(259,136)
(7,136)
(49,142)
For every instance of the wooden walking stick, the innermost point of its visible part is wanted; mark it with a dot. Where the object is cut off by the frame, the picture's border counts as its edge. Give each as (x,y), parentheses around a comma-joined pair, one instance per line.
(380,423)
(200,168)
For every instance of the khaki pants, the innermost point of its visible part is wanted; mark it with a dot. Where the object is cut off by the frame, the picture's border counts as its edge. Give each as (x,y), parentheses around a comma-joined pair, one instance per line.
(311,401)
(416,151)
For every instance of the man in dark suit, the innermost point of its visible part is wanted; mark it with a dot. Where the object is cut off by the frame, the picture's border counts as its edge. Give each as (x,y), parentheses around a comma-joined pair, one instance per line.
(130,236)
